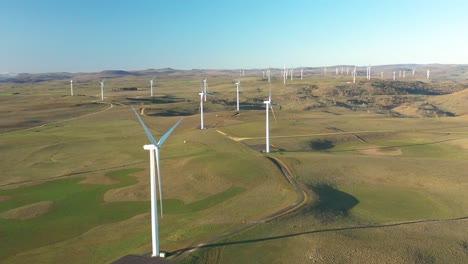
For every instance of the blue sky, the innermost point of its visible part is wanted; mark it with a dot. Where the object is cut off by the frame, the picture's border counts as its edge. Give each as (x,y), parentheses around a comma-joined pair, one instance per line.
(85,36)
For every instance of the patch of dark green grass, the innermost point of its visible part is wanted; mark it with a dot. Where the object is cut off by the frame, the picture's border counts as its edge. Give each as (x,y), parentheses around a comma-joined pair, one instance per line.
(77,208)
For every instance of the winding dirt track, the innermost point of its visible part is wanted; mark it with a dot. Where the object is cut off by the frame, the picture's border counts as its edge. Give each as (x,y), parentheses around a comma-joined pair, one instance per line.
(300,201)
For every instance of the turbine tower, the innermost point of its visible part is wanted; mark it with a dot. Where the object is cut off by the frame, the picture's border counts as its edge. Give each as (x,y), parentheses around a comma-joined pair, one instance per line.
(267,106)
(152,87)
(394,73)
(284,75)
(428,74)
(102,90)
(71,87)
(154,151)
(237,84)
(302,73)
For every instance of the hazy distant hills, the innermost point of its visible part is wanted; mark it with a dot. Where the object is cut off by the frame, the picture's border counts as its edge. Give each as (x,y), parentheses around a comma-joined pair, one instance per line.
(450,71)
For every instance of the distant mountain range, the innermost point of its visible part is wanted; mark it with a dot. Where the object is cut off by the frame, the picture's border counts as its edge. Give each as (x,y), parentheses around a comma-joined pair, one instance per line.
(41,77)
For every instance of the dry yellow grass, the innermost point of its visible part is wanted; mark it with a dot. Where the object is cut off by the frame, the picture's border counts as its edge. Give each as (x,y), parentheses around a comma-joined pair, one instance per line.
(379,151)
(29,211)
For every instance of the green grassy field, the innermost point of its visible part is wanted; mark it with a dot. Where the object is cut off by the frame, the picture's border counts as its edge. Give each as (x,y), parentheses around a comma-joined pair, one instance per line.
(70,190)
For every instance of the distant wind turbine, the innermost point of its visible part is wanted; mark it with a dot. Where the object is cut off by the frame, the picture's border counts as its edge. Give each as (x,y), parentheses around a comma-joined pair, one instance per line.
(102,90)
(71,87)
(152,87)
(302,72)
(428,74)
(154,151)
(394,73)
(237,84)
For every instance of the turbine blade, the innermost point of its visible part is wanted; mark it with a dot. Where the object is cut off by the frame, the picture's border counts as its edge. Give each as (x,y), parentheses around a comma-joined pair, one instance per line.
(269,96)
(273,111)
(161,141)
(148,133)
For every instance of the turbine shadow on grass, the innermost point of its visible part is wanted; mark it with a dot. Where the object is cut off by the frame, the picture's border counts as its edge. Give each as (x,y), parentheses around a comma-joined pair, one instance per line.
(398,146)
(166,99)
(214,245)
(332,203)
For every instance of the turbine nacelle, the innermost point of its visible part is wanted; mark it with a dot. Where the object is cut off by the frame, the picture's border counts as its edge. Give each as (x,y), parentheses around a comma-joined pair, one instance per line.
(149,147)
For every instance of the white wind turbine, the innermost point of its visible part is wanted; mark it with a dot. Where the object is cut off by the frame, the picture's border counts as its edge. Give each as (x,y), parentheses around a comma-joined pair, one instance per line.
(237,84)
(302,72)
(154,151)
(428,74)
(202,94)
(394,74)
(102,90)
(268,106)
(71,87)
(152,87)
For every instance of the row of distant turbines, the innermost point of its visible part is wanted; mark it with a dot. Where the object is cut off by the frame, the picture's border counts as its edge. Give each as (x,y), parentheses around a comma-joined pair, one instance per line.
(289,73)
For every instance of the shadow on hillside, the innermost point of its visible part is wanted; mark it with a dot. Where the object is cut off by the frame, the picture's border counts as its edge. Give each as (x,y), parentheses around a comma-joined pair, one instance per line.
(321,144)
(213,245)
(332,201)
(398,146)
(166,99)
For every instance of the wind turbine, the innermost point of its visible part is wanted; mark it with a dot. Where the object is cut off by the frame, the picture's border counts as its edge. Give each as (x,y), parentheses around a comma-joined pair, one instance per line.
(152,87)
(284,75)
(354,75)
(102,90)
(237,84)
(428,74)
(154,151)
(202,94)
(393,75)
(381,75)
(302,72)
(71,87)
(413,72)
(268,106)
